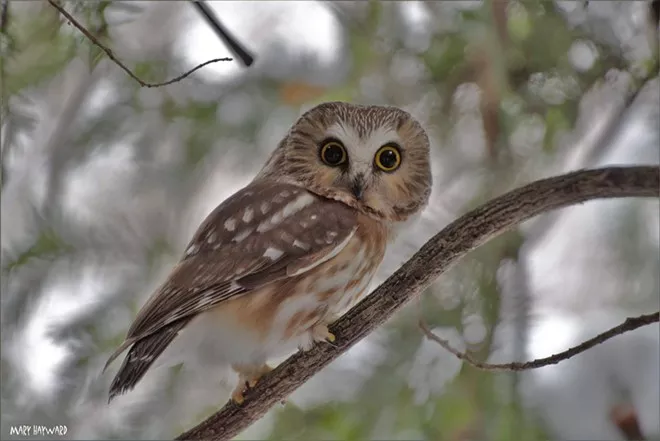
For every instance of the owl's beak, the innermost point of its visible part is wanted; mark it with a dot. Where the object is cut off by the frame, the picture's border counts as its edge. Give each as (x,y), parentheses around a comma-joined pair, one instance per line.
(357,187)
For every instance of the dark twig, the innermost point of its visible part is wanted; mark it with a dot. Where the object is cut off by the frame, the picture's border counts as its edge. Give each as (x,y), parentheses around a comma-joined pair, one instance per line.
(4,14)
(112,56)
(438,255)
(629,324)
(238,49)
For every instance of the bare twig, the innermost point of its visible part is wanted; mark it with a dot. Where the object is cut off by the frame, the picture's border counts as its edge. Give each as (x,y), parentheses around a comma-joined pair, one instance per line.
(433,259)
(112,56)
(630,324)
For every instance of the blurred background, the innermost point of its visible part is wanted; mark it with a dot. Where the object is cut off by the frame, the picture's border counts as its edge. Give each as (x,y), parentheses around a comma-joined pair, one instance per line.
(104,182)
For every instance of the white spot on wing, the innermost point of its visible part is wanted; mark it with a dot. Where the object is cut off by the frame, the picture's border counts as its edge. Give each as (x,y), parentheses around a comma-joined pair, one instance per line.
(230,224)
(192,249)
(273,253)
(292,207)
(242,235)
(265,206)
(247,215)
(212,237)
(302,245)
(286,237)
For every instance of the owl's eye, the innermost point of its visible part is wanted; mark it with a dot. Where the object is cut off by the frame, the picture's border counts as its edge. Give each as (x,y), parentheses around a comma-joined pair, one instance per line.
(333,153)
(388,158)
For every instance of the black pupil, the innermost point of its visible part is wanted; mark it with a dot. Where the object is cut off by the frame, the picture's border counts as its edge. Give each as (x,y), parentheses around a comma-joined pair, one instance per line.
(333,154)
(388,158)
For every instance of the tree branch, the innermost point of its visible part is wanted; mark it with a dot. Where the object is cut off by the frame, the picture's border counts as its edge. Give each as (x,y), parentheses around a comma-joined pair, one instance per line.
(434,258)
(238,49)
(112,56)
(630,324)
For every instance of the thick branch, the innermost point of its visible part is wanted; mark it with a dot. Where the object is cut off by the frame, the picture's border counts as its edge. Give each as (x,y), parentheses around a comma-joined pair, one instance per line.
(630,324)
(433,259)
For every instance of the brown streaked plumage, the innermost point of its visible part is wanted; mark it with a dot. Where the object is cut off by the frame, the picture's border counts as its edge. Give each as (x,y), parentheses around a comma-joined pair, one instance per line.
(285,256)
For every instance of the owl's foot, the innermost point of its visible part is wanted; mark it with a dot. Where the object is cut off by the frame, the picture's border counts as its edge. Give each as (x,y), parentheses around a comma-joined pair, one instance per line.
(248,377)
(320,333)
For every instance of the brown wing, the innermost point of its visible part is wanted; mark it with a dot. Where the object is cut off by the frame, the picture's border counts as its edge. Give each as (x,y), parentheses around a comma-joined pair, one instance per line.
(263,233)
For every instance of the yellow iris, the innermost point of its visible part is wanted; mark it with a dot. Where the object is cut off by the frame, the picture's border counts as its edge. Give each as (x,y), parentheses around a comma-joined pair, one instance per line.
(388,158)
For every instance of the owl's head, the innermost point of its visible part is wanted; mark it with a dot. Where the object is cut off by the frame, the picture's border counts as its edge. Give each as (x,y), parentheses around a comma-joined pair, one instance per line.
(373,158)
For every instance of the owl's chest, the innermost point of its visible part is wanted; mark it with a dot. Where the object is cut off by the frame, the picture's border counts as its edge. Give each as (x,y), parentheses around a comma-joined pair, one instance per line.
(345,279)
(281,315)
(327,291)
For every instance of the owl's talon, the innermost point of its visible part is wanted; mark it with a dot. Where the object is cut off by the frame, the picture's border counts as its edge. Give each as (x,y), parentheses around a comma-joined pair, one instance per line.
(248,377)
(238,397)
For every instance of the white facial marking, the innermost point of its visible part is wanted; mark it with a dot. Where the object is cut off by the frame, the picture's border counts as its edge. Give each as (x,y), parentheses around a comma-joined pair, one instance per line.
(362,158)
(292,207)
(230,224)
(247,215)
(368,146)
(273,253)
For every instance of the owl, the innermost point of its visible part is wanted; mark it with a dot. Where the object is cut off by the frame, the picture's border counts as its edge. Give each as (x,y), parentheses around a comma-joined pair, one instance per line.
(277,262)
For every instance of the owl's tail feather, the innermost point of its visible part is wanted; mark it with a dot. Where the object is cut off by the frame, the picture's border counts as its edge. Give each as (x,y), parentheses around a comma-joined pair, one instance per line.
(117,352)
(141,356)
